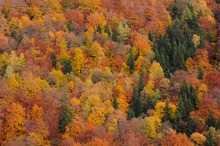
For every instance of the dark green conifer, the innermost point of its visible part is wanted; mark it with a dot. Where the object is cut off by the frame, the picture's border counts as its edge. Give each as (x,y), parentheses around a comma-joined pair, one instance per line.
(131,60)
(210,120)
(115,103)
(191,126)
(167,115)
(65,115)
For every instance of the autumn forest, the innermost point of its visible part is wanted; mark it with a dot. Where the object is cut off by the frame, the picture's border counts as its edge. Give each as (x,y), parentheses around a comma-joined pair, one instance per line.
(109,72)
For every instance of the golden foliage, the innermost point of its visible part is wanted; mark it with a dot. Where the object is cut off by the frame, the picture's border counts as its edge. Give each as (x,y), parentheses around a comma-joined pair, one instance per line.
(159,109)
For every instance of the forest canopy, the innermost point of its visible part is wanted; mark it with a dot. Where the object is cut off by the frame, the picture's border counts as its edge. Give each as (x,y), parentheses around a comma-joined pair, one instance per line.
(110,72)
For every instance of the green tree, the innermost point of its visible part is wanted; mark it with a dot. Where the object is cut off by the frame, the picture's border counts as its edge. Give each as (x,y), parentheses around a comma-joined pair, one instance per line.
(210,120)
(191,126)
(176,122)
(150,36)
(130,113)
(209,139)
(136,102)
(115,103)
(67,67)
(99,29)
(200,73)
(70,26)
(107,29)
(167,115)
(65,115)
(54,59)
(131,60)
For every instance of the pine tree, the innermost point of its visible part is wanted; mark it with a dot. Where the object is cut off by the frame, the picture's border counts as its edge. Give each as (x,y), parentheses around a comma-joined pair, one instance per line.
(209,139)
(176,122)
(131,60)
(191,126)
(99,29)
(115,103)
(167,115)
(130,114)
(65,115)
(54,59)
(200,73)
(181,107)
(188,107)
(70,26)
(150,36)
(193,97)
(210,120)
(107,29)
(67,67)
(136,103)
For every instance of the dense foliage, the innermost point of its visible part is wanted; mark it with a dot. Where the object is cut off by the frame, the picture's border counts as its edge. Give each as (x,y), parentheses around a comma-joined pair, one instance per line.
(110,72)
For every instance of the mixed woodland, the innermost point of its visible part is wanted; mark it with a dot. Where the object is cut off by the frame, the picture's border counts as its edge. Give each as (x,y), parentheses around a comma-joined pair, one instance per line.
(110,72)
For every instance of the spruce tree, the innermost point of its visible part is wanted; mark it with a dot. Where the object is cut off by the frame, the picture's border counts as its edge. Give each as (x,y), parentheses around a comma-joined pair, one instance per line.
(70,26)
(193,97)
(131,60)
(107,29)
(54,59)
(99,29)
(191,126)
(176,122)
(150,36)
(209,139)
(200,73)
(115,103)
(130,113)
(136,103)
(167,115)
(210,120)
(65,115)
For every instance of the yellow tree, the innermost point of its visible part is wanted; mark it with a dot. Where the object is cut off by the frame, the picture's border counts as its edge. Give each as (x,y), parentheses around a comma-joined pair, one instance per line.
(78,62)
(88,7)
(151,126)
(198,139)
(97,116)
(155,71)
(96,53)
(159,109)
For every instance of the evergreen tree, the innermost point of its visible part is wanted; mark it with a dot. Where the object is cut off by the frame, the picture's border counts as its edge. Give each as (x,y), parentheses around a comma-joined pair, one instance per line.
(107,29)
(192,95)
(136,103)
(130,114)
(70,26)
(131,60)
(176,122)
(115,103)
(181,108)
(217,126)
(209,139)
(65,115)
(191,126)
(99,29)
(200,73)
(67,67)
(20,36)
(167,115)
(54,59)
(150,36)
(210,120)
(188,107)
